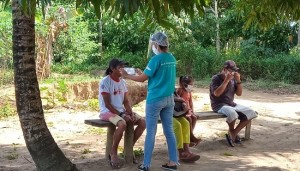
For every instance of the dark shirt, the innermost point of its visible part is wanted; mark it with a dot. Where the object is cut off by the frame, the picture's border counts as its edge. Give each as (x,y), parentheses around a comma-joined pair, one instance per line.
(226,98)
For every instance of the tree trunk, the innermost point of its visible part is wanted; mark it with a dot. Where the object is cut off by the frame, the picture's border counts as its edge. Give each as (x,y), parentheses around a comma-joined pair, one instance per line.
(217,28)
(100,38)
(298,44)
(39,141)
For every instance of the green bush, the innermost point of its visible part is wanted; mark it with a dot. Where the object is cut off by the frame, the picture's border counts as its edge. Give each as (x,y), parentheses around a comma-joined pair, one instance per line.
(6,110)
(280,67)
(194,60)
(6,39)
(74,48)
(6,76)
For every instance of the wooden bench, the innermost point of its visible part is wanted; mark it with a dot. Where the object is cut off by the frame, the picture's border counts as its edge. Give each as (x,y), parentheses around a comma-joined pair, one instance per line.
(128,137)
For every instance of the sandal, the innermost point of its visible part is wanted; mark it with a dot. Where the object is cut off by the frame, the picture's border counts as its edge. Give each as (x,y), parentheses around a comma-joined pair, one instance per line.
(135,161)
(192,144)
(229,140)
(142,168)
(168,167)
(195,143)
(114,165)
(238,140)
(189,158)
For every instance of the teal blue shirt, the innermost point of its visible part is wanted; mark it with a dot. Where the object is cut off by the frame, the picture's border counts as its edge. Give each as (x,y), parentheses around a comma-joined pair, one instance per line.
(161,72)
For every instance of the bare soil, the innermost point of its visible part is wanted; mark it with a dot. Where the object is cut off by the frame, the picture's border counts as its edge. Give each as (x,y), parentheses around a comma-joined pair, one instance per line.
(274,144)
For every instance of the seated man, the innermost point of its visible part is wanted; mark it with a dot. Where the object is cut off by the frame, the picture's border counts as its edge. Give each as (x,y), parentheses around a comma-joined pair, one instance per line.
(223,87)
(115,108)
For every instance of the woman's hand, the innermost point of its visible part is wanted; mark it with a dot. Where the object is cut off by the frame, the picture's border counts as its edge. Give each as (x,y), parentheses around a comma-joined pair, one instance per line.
(124,73)
(138,71)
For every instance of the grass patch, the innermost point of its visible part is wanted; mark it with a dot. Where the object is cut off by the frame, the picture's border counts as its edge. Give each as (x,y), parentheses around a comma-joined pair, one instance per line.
(267,86)
(138,152)
(6,77)
(85,151)
(7,109)
(227,154)
(96,131)
(272,87)
(206,107)
(12,156)
(70,78)
(221,134)
(50,124)
(93,104)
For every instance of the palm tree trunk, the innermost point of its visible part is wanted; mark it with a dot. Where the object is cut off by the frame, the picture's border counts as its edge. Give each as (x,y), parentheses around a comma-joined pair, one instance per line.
(39,141)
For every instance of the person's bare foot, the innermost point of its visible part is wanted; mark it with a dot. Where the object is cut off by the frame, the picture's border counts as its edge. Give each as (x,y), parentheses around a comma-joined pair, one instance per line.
(195,142)
(232,135)
(114,161)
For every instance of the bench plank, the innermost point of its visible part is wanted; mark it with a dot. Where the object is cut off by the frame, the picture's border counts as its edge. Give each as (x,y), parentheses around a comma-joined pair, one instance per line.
(98,123)
(208,115)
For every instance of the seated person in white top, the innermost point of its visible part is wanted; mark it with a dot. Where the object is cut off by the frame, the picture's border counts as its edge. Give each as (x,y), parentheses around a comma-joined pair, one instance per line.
(115,108)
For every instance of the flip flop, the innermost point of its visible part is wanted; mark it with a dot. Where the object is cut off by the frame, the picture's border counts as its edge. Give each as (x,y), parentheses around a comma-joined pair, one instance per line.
(238,140)
(114,165)
(192,144)
(135,161)
(197,142)
(229,140)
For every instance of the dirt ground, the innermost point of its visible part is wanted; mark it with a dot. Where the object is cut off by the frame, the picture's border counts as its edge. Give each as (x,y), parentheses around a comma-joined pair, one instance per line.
(274,144)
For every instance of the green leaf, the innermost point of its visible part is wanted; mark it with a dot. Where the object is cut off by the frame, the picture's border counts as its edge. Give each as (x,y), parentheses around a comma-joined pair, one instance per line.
(6,3)
(24,6)
(78,3)
(147,22)
(165,23)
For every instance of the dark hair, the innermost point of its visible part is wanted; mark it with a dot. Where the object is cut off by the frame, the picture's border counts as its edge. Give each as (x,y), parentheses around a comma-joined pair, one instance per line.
(163,48)
(114,63)
(108,71)
(185,80)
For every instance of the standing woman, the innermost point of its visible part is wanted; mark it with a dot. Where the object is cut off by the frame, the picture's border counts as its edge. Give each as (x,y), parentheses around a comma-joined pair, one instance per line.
(161,74)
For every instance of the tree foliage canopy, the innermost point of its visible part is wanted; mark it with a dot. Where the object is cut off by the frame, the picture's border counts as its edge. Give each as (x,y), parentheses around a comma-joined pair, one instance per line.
(268,12)
(158,10)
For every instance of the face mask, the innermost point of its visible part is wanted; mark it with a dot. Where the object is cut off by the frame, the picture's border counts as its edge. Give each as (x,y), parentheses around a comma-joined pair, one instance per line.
(189,88)
(155,51)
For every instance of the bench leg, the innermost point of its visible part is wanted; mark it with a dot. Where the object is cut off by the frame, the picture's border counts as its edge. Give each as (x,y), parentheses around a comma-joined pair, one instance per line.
(247,131)
(128,144)
(109,139)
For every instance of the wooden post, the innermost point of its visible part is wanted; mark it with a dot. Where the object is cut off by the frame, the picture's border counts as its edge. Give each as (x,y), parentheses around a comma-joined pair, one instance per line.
(110,134)
(128,144)
(247,131)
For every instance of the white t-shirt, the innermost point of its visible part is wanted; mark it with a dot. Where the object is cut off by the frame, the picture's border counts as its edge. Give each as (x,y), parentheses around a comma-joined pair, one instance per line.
(116,90)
